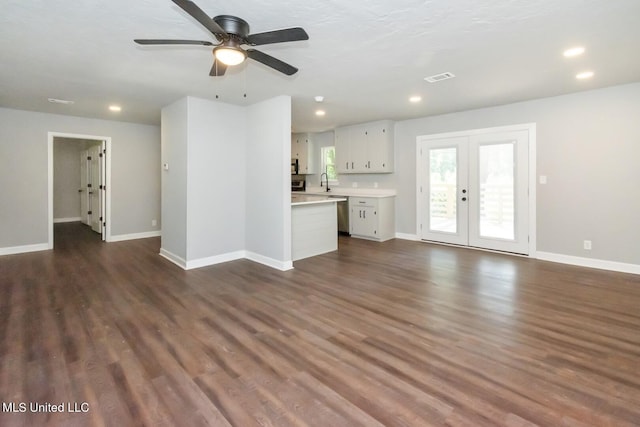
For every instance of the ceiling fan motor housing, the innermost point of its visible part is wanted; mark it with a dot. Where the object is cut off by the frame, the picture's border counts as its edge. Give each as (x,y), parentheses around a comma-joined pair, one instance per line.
(233,25)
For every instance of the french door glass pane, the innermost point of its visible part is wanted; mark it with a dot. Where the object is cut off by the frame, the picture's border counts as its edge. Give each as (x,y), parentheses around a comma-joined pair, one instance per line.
(443,189)
(497,196)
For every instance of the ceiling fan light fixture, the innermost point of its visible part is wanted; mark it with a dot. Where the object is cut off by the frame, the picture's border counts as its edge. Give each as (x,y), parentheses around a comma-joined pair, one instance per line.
(229,55)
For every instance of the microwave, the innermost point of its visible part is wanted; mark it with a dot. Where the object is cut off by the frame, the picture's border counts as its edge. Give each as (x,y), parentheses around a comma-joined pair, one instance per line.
(294,166)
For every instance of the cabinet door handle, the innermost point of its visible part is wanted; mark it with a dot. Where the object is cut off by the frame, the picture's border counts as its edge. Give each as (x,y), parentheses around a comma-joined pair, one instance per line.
(364,214)
(346,165)
(360,213)
(351,165)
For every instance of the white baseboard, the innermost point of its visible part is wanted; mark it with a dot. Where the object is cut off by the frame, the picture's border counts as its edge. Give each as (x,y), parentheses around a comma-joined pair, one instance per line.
(230,256)
(133,236)
(179,261)
(589,262)
(217,259)
(59,220)
(406,236)
(24,249)
(270,262)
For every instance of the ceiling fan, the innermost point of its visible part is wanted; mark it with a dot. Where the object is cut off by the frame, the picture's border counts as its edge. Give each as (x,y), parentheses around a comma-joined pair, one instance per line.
(233,32)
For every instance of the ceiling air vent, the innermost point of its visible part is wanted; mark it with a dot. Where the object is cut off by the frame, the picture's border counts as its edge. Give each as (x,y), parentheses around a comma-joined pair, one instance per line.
(59,101)
(439,77)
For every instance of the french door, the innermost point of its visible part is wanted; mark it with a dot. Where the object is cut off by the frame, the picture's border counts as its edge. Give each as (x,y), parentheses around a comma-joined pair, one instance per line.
(474,189)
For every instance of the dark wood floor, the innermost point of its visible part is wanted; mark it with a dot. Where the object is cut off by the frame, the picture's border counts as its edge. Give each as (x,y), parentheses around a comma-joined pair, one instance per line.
(396,334)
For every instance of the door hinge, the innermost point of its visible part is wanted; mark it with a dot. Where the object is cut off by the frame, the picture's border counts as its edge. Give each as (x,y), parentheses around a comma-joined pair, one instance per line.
(88,212)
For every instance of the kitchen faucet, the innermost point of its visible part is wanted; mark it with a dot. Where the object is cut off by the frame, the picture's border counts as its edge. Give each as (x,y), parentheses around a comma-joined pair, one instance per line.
(327,176)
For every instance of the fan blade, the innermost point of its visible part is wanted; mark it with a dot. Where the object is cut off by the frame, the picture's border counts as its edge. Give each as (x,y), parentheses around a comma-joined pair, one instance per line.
(272,62)
(162,41)
(217,69)
(278,36)
(199,15)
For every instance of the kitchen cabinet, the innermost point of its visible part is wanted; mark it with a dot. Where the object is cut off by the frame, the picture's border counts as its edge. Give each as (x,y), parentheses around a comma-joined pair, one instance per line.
(365,148)
(302,150)
(372,218)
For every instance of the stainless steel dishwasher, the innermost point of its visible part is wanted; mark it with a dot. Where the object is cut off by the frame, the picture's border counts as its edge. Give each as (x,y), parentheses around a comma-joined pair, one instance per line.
(343,216)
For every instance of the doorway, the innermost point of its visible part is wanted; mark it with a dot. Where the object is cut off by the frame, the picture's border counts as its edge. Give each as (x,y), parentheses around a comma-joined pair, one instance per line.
(475,188)
(92,185)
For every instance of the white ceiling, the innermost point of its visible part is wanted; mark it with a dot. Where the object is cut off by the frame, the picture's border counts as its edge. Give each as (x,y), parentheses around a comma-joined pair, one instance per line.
(365,57)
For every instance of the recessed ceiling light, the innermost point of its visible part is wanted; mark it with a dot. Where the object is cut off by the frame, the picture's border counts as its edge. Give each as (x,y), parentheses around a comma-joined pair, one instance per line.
(115,108)
(320,113)
(319,98)
(60,101)
(574,51)
(584,75)
(415,99)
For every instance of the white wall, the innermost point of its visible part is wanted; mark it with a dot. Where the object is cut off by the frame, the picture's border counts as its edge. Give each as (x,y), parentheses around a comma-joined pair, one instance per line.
(588,146)
(268,202)
(66,178)
(216,178)
(24,174)
(174,179)
(210,212)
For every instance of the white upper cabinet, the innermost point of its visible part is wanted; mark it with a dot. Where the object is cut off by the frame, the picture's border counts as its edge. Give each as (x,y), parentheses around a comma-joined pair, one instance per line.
(301,149)
(365,148)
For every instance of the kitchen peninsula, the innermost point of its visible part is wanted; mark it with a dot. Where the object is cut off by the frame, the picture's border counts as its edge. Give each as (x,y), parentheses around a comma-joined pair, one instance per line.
(314,225)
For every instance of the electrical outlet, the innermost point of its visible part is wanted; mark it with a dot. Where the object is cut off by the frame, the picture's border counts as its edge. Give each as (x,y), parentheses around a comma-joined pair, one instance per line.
(587,245)
(154,222)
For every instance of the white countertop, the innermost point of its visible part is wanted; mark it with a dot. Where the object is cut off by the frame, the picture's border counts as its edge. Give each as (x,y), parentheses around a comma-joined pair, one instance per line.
(350,192)
(301,198)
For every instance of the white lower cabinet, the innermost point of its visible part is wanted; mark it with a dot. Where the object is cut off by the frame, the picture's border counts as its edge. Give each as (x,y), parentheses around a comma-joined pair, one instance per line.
(372,218)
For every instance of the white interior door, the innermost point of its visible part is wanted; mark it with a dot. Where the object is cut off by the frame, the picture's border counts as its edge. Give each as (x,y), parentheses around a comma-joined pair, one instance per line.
(474,190)
(102,159)
(94,189)
(84,190)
